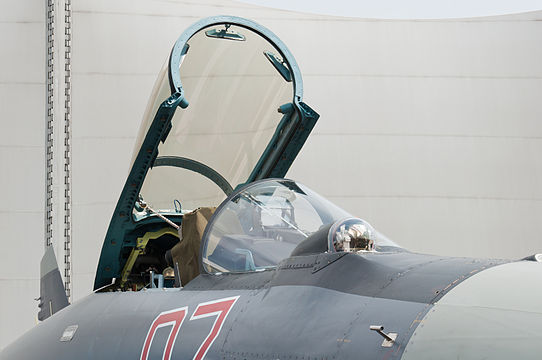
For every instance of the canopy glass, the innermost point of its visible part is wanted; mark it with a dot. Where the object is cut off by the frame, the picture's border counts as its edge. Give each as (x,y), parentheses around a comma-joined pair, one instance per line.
(268,221)
(234,87)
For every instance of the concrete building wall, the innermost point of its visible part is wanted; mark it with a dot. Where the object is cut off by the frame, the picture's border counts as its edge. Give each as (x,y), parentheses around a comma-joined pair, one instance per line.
(22,156)
(428,129)
(439,124)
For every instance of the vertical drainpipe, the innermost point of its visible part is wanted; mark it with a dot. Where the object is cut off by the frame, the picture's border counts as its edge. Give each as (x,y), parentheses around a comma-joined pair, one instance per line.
(58,135)
(67,146)
(50,33)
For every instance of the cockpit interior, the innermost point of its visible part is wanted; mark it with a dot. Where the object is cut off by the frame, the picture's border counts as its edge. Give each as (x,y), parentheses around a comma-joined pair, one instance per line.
(253,230)
(206,190)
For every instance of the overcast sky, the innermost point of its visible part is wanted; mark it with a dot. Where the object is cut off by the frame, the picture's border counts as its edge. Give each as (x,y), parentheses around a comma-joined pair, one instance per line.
(405,9)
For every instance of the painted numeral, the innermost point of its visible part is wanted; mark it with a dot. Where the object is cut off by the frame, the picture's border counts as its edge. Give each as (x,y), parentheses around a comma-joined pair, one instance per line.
(220,309)
(174,318)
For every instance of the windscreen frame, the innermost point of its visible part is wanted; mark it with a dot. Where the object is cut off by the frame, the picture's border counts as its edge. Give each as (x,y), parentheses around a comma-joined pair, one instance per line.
(237,192)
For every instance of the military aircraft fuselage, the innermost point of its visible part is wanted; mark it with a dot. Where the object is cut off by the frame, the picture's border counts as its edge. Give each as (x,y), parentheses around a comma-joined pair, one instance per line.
(313,307)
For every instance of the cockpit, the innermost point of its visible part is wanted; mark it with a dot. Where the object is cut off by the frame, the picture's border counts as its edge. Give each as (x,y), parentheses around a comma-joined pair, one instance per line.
(270,220)
(254,229)
(205,191)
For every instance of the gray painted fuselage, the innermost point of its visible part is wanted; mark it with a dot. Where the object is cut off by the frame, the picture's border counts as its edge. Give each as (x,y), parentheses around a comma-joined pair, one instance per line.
(311,307)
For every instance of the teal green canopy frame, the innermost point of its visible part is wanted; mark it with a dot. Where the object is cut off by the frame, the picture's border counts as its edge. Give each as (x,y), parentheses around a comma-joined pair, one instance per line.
(291,133)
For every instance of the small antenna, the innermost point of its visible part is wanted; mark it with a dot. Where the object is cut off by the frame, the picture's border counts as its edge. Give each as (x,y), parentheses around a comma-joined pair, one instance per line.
(389,339)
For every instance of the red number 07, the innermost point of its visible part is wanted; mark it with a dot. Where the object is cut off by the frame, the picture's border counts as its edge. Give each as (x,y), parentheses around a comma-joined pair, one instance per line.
(174,318)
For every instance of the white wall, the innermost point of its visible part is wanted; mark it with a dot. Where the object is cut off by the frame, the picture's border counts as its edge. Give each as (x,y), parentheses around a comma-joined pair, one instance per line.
(22,157)
(439,124)
(428,129)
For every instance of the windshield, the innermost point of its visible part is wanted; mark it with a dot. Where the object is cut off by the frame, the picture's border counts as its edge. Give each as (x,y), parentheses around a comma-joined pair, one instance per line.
(233,87)
(262,224)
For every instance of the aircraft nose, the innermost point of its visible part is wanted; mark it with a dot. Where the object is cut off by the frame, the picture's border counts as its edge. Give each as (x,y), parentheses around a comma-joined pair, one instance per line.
(495,314)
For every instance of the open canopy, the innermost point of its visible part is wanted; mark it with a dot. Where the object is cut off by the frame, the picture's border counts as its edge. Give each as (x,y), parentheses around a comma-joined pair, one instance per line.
(226,110)
(233,90)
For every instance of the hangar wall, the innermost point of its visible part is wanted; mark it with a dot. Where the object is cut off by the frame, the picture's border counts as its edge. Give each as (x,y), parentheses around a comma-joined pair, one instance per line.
(429,129)
(22,158)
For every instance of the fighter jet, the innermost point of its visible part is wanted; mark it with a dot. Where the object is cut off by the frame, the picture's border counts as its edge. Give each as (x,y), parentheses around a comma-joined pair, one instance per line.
(212,254)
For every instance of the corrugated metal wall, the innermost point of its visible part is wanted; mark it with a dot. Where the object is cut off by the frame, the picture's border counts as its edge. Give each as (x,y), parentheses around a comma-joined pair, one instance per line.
(429,129)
